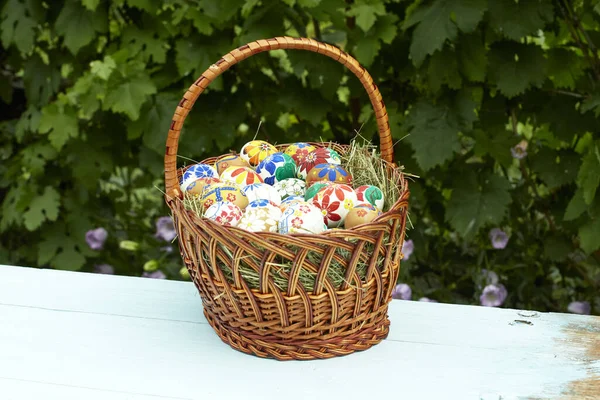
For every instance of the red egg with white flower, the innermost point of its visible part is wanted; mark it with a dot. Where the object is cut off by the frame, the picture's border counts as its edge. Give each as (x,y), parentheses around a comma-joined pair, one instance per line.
(335,202)
(299,151)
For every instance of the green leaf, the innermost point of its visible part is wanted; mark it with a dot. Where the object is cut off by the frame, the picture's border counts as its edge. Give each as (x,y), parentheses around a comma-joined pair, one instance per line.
(366,49)
(78,25)
(6,89)
(103,69)
(557,248)
(154,126)
(591,103)
(88,163)
(442,69)
(17,26)
(589,174)
(386,28)
(440,21)
(90,4)
(515,67)
(42,208)
(313,111)
(60,250)
(576,206)
(41,80)
(220,10)
(147,5)
(477,200)
(366,13)
(496,143)
(36,155)
(433,134)
(589,235)
(472,57)
(145,41)
(556,168)
(565,67)
(59,124)
(127,96)
(516,19)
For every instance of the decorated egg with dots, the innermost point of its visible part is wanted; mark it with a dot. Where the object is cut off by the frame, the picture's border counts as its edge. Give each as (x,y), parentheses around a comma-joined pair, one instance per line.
(197,187)
(256,151)
(224,213)
(361,214)
(290,200)
(302,217)
(276,167)
(299,151)
(242,176)
(197,171)
(290,187)
(262,191)
(223,192)
(328,172)
(335,201)
(232,160)
(372,195)
(261,219)
(315,188)
(321,155)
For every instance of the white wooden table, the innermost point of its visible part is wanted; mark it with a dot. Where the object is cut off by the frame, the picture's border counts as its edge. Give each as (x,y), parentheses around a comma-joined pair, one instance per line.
(67,335)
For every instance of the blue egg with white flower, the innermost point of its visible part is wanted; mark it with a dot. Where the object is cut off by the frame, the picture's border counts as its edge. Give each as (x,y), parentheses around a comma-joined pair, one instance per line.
(196,172)
(276,167)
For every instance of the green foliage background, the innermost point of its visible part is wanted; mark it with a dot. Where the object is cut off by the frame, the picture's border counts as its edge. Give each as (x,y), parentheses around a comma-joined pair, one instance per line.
(88,88)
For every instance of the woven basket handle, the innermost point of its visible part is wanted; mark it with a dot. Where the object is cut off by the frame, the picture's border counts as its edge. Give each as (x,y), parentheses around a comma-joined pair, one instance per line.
(259,46)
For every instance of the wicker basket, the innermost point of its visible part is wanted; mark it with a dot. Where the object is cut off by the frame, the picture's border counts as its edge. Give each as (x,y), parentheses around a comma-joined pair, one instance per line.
(297,323)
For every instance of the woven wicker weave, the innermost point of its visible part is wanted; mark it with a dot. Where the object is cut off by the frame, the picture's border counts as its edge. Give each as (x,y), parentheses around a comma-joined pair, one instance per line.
(296,323)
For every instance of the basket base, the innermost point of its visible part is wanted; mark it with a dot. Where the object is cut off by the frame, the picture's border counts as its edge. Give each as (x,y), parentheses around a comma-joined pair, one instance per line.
(305,350)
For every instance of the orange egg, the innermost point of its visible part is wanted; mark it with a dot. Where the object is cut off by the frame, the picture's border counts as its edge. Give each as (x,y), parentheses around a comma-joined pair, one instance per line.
(328,172)
(361,215)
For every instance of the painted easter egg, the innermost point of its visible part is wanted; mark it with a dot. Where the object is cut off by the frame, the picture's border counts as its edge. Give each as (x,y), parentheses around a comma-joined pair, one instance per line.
(302,217)
(288,201)
(372,195)
(261,203)
(328,172)
(232,160)
(224,191)
(335,201)
(276,167)
(242,176)
(299,151)
(256,150)
(197,187)
(361,214)
(290,187)
(322,155)
(261,219)
(197,171)
(314,189)
(258,191)
(224,213)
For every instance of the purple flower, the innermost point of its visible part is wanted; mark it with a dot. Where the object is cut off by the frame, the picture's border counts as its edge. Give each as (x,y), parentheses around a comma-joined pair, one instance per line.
(154,275)
(579,307)
(165,230)
(499,238)
(427,300)
(493,295)
(104,269)
(489,277)
(407,249)
(402,292)
(95,238)
(519,151)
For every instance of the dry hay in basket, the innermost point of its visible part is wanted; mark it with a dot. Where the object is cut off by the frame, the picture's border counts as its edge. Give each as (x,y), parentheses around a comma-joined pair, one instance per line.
(367,167)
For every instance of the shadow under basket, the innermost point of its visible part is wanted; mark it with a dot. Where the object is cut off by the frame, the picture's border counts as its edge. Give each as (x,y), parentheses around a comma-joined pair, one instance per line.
(295,296)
